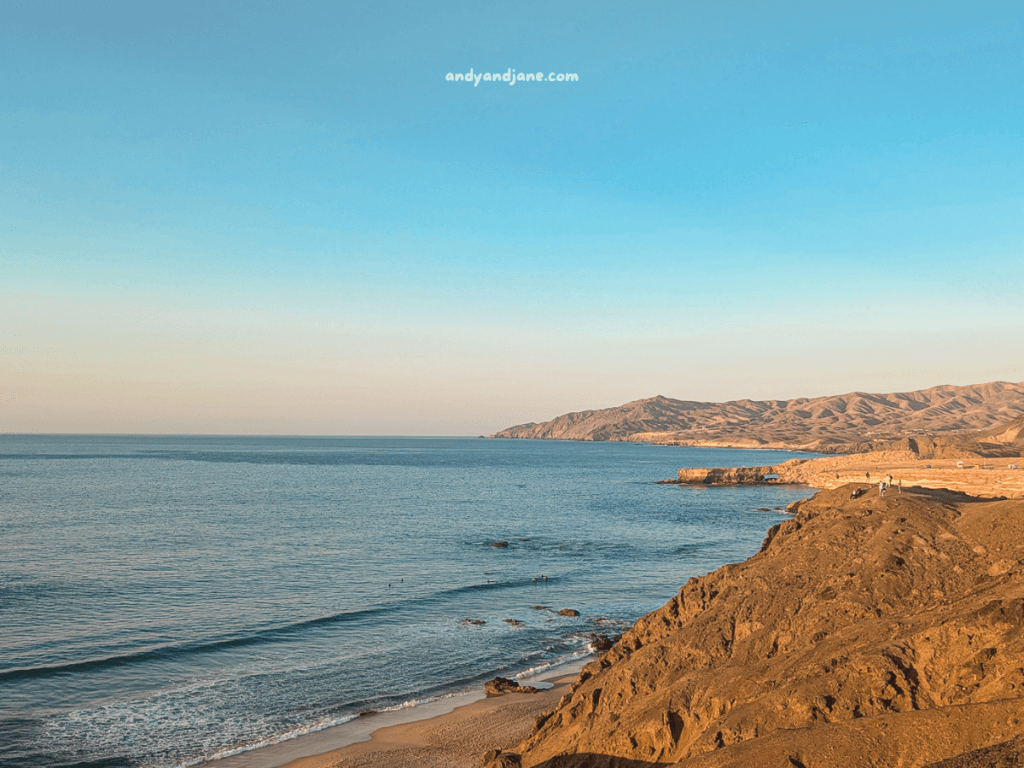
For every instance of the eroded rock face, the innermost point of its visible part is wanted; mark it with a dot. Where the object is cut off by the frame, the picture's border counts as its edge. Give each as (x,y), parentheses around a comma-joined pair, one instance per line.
(725,475)
(881,631)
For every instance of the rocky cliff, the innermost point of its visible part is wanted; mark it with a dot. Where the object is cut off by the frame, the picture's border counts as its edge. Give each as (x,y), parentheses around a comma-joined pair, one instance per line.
(843,423)
(728,476)
(876,631)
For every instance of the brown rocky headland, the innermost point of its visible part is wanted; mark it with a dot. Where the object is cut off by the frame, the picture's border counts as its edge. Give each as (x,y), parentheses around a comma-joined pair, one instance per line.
(876,631)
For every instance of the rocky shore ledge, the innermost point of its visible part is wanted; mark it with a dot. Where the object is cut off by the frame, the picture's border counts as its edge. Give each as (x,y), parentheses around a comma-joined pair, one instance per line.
(868,631)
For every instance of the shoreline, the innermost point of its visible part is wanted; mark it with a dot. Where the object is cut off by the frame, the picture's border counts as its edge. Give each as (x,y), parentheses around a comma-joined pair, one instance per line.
(411,729)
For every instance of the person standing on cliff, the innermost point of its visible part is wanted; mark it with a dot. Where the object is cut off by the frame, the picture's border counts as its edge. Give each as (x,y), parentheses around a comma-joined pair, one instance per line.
(881,488)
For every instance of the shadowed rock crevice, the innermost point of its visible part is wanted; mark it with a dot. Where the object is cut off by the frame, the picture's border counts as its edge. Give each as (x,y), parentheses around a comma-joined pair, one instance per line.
(1008,754)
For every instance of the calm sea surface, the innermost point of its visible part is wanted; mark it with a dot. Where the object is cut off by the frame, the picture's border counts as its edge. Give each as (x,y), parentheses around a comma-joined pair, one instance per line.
(169,600)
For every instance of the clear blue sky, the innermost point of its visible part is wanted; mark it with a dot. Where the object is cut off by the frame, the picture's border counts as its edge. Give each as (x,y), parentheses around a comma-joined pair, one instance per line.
(281,218)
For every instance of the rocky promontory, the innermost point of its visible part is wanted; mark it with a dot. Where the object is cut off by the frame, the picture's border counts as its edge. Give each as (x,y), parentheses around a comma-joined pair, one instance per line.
(868,631)
(978,477)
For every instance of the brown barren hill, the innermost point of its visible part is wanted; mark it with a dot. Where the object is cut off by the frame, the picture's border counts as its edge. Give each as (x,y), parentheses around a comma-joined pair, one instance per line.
(1011,433)
(876,631)
(845,423)
(1001,440)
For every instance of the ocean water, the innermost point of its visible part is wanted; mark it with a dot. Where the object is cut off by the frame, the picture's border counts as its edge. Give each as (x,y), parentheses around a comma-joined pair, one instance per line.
(165,601)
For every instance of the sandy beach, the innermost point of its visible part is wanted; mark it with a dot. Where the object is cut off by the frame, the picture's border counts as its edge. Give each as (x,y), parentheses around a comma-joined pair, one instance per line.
(457,739)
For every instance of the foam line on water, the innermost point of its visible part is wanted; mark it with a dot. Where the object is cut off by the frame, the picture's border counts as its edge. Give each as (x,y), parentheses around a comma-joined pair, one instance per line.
(294,733)
(415,709)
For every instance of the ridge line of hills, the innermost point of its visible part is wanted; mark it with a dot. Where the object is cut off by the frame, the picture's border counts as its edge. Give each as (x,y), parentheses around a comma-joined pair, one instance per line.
(978,419)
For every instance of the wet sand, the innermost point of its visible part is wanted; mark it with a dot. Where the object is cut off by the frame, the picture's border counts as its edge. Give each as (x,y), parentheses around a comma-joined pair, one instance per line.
(454,740)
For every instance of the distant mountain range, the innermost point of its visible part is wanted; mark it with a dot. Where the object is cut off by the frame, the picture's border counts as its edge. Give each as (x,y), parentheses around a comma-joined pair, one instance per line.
(842,423)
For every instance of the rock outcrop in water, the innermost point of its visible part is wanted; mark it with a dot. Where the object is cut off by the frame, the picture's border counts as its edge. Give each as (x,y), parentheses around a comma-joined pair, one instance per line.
(726,475)
(499,686)
(867,632)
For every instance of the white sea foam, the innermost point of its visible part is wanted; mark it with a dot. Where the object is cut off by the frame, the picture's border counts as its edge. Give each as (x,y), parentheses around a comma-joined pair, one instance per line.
(321,725)
(325,723)
(238,749)
(561,661)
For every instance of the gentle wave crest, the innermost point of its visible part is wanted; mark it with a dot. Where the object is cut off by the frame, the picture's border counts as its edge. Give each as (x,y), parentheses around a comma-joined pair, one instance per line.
(275,634)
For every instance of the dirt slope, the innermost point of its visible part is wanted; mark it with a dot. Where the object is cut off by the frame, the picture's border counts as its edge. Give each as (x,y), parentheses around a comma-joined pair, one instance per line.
(869,632)
(843,422)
